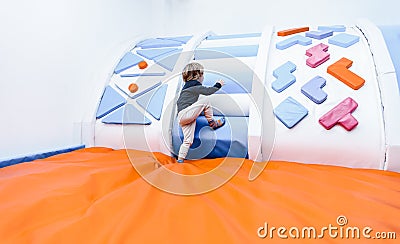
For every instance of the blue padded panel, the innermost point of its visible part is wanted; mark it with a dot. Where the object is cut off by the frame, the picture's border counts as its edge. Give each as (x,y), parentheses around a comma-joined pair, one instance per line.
(157,42)
(297,39)
(313,89)
(225,52)
(127,114)
(153,101)
(290,112)
(343,40)
(228,141)
(231,86)
(391,34)
(217,37)
(110,100)
(152,53)
(319,34)
(128,60)
(183,39)
(168,60)
(334,28)
(143,74)
(284,76)
(29,158)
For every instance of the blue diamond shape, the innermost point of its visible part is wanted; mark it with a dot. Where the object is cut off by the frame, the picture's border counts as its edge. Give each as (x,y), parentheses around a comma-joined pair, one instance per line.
(343,40)
(290,112)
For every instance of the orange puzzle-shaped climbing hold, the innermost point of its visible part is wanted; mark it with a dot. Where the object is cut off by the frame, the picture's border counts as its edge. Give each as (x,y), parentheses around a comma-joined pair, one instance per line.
(340,70)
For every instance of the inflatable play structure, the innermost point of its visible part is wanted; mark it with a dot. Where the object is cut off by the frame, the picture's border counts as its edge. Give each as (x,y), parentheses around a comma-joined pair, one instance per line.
(310,95)
(317,106)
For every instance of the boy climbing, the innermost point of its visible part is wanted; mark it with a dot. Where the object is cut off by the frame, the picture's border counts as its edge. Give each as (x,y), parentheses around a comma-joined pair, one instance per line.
(190,106)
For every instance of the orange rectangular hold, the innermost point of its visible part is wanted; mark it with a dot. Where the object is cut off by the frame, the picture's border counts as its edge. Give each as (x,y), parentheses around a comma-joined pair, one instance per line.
(292,31)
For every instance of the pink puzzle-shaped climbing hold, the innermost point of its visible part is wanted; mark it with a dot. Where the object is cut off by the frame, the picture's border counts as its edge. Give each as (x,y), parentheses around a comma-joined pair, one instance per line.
(341,114)
(317,55)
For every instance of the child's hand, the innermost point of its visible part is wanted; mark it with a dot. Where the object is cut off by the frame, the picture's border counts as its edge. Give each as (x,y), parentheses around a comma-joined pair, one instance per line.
(222,82)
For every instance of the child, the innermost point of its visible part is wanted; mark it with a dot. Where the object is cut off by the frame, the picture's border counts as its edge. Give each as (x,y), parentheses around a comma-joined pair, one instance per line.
(190,107)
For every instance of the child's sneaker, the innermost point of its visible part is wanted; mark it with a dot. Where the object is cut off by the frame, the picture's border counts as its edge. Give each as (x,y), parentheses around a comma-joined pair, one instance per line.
(180,161)
(215,124)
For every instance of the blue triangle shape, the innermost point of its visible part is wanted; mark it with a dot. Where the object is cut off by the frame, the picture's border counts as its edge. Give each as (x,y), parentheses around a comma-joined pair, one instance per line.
(152,53)
(127,114)
(110,101)
(128,60)
(157,42)
(168,60)
(153,101)
(183,39)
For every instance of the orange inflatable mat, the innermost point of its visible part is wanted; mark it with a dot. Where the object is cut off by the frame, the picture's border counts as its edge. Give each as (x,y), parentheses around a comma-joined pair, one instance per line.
(94,195)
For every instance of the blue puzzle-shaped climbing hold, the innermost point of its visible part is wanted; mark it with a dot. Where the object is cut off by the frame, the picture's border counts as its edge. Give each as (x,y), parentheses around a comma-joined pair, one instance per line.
(158,42)
(128,60)
(290,112)
(297,39)
(127,114)
(153,101)
(284,76)
(183,39)
(152,53)
(334,28)
(319,34)
(110,101)
(143,74)
(168,60)
(343,40)
(313,90)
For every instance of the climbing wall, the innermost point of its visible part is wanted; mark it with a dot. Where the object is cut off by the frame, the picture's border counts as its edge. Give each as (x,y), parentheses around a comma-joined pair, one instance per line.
(319,91)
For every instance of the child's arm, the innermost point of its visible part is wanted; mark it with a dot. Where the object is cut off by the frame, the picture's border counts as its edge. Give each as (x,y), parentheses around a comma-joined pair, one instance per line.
(210,90)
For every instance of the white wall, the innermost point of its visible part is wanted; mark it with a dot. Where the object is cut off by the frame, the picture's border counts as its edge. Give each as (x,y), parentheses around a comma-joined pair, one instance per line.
(232,16)
(51,51)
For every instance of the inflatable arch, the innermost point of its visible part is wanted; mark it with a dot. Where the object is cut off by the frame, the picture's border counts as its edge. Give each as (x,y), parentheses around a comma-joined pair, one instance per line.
(321,94)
